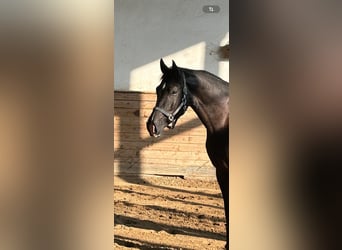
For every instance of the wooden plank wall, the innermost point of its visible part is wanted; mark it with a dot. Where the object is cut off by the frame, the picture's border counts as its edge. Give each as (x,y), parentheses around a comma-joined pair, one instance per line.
(178,152)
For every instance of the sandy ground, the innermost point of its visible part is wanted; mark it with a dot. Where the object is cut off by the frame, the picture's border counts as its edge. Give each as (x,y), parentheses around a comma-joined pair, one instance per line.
(168,213)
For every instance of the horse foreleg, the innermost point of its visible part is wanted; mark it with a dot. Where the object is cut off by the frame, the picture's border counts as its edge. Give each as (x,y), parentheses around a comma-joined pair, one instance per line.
(222,178)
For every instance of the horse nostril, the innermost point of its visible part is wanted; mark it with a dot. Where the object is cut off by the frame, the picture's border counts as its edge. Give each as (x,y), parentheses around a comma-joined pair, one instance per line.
(154,129)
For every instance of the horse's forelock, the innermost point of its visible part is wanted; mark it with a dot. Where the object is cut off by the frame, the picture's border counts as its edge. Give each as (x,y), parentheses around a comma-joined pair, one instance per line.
(172,74)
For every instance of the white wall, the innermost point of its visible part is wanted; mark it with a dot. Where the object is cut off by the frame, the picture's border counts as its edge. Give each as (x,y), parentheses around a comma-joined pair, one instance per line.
(146,30)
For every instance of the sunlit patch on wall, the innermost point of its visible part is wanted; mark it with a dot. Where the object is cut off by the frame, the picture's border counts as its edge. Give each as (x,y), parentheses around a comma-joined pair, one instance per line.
(142,78)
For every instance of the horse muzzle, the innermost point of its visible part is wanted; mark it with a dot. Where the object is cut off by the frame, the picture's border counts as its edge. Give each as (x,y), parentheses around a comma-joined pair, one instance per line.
(152,128)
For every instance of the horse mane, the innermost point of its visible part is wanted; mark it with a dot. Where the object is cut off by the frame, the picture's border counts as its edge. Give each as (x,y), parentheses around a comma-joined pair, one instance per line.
(205,76)
(220,80)
(172,75)
(198,75)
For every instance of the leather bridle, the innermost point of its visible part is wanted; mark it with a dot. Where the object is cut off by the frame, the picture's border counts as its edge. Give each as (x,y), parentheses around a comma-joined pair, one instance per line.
(171,117)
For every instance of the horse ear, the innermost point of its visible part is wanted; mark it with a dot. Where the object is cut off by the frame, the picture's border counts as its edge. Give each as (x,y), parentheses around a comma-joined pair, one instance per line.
(163,66)
(175,69)
(174,66)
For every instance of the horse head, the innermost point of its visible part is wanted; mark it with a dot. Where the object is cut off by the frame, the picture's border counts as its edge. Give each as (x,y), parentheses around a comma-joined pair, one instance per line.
(172,97)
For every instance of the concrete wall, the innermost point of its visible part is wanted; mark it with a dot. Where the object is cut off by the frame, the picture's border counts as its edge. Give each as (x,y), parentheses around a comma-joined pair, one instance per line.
(146,30)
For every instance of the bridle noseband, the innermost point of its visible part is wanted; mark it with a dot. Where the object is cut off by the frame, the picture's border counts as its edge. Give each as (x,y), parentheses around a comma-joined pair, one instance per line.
(182,106)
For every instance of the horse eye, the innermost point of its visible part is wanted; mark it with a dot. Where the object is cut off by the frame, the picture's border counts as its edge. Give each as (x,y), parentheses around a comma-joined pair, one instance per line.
(173,91)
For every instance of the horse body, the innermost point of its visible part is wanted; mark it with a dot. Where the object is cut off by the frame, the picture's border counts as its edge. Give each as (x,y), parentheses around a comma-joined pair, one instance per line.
(208,96)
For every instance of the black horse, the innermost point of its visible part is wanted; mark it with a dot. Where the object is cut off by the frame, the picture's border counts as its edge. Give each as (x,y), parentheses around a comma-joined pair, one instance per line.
(208,96)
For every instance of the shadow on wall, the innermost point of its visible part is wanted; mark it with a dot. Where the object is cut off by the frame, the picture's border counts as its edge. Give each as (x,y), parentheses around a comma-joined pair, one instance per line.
(131,139)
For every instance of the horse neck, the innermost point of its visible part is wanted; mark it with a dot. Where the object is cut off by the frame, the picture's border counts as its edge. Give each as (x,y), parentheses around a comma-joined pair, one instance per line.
(210,107)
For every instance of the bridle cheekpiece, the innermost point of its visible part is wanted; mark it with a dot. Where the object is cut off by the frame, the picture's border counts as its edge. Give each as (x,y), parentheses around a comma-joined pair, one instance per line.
(181,107)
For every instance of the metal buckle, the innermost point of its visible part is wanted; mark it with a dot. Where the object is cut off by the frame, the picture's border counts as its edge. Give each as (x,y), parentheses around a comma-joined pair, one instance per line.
(171,117)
